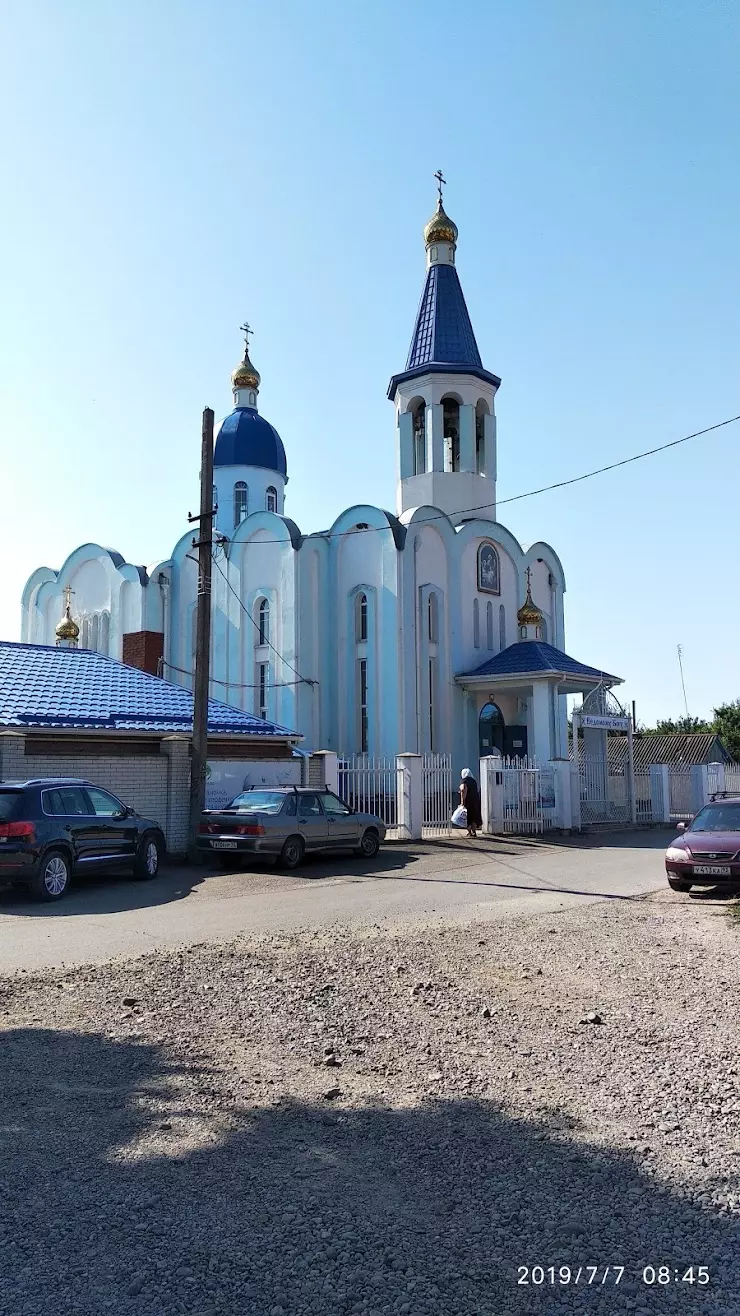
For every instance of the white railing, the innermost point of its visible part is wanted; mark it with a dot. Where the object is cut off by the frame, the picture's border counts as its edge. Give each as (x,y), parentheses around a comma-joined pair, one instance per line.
(438,799)
(604,789)
(373,785)
(528,796)
(681,791)
(732,778)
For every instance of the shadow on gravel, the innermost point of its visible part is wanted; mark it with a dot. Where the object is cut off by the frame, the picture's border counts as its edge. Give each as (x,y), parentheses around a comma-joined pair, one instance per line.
(292,1209)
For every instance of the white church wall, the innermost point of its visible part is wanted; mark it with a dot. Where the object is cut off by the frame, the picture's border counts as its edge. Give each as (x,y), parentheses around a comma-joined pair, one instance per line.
(258,480)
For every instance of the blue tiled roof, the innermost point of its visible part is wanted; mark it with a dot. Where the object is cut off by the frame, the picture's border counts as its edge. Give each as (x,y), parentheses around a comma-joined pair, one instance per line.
(443,338)
(536,656)
(247,439)
(41,686)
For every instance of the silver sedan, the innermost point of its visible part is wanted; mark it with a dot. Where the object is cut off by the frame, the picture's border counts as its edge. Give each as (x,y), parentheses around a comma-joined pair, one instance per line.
(286,823)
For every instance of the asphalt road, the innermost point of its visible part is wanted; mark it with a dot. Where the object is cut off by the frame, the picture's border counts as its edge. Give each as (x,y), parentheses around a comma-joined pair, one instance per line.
(460,880)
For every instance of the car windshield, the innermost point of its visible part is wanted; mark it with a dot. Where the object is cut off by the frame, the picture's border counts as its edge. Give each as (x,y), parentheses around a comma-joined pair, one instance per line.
(717,818)
(9,801)
(257,802)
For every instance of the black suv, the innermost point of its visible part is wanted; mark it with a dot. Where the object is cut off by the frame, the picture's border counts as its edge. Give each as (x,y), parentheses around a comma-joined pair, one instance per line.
(52,827)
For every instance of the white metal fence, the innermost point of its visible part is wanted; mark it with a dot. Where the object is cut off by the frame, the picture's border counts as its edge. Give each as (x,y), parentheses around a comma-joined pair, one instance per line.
(373,785)
(438,798)
(681,792)
(524,810)
(649,803)
(604,786)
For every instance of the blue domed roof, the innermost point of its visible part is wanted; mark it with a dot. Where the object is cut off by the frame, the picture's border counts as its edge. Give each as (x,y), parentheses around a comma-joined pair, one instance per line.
(247,439)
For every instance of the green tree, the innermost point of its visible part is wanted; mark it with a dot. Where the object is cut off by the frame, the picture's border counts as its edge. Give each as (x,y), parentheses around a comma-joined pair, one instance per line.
(727,726)
(692,725)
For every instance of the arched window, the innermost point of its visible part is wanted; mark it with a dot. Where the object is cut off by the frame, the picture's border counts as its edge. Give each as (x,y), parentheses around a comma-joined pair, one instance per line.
(85,636)
(95,632)
(104,632)
(241,502)
(214,499)
(253,399)
(476,624)
(433,619)
(361,617)
(451,431)
(489,625)
(272,499)
(263,621)
(481,411)
(501,627)
(419,422)
(490,730)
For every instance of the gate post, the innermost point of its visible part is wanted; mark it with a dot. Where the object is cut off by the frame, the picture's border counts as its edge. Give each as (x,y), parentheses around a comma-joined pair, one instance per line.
(563,795)
(492,793)
(409,797)
(329,769)
(631,768)
(660,798)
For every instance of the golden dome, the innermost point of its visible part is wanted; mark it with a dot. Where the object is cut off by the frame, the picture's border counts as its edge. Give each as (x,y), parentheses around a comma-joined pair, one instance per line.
(529,614)
(67,628)
(245,375)
(440,227)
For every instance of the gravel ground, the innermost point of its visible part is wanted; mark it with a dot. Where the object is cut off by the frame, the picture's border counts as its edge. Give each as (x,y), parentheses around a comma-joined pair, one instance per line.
(391,1121)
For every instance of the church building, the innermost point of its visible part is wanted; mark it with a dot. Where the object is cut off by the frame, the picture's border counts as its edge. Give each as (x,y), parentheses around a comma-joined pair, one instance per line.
(427,629)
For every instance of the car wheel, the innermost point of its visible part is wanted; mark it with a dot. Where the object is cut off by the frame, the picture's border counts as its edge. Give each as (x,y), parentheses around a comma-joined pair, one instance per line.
(678,884)
(52,879)
(369,845)
(148,858)
(292,852)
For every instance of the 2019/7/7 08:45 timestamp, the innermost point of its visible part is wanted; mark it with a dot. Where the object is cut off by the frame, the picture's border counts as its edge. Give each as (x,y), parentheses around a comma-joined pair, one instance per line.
(612,1275)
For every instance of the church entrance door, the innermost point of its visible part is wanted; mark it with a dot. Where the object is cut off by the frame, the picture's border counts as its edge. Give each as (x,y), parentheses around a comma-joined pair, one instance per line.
(491,731)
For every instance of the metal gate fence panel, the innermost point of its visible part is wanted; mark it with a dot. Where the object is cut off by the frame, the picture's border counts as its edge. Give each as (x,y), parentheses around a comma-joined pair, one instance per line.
(648,796)
(604,789)
(371,785)
(438,799)
(732,778)
(680,792)
(523,811)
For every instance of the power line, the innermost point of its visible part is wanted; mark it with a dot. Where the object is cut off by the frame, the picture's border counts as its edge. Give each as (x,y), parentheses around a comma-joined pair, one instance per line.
(531,493)
(233,685)
(302,680)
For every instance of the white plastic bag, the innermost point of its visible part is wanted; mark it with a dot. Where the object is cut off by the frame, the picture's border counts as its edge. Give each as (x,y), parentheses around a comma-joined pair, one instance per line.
(460,816)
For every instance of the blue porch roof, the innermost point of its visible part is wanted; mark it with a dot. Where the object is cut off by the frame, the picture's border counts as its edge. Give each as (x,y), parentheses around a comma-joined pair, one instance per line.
(535,657)
(77,689)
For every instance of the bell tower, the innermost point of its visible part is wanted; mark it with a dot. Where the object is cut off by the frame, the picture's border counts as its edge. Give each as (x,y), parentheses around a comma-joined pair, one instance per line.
(444,399)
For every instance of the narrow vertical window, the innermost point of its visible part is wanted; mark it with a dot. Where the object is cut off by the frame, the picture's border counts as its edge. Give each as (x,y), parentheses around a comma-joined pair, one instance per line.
(433,619)
(432,705)
(263,615)
(262,676)
(451,431)
(214,499)
(489,625)
(361,617)
(241,502)
(481,411)
(104,632)
(272,499)
(95,632)
(85,633)
(501,627)
(363,705)
(476,624)
(420,438)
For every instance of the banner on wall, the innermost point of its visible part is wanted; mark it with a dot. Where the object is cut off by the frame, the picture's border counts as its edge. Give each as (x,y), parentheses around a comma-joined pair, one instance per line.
(228,778)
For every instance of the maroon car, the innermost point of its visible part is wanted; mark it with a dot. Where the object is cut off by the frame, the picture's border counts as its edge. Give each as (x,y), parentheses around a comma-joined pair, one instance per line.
(708,852)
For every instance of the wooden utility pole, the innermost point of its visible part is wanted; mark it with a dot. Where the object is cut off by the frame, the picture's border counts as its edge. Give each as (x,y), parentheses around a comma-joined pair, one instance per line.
(204,545)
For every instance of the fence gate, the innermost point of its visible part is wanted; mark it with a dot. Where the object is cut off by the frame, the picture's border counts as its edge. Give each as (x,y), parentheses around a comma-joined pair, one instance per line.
(373,785)
(523,804)
(438,799)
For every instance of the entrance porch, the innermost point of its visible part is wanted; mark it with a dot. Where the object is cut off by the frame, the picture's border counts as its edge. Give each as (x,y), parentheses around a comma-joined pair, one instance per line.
(519,700)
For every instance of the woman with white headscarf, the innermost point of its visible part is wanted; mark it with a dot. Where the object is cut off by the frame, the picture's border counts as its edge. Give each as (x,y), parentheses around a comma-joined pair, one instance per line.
(470,800)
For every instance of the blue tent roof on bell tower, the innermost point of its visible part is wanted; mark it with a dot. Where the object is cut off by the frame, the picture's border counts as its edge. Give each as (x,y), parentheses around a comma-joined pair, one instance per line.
(443,340)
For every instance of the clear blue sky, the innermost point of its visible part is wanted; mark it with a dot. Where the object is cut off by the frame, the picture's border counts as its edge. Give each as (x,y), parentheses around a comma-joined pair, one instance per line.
(172,168)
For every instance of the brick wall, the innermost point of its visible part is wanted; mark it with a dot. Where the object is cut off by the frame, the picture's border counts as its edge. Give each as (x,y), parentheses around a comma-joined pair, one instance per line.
(143,649)
(156,786)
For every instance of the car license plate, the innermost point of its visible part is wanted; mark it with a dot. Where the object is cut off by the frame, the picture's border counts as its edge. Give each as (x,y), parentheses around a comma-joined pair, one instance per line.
(711,870)
(223,845)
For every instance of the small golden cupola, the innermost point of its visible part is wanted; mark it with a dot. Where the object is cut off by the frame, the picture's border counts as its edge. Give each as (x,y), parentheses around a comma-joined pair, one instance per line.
(440,234)
(529,616)
(67,632)
(245,380)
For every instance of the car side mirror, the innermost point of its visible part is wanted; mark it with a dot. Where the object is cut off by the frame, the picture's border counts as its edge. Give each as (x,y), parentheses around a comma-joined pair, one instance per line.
(681,827)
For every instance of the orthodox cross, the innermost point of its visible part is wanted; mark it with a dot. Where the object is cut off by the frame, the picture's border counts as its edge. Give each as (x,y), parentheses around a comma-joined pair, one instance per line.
(246,331)
(529,579)
(441,182)
(68,592)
